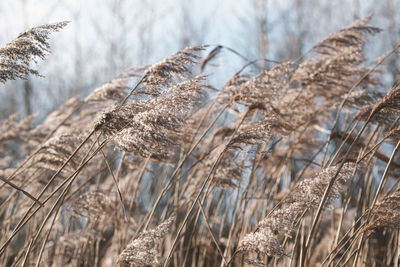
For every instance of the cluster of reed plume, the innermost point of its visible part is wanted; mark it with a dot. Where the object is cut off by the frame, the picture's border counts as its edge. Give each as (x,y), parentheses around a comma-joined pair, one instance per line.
(282,167)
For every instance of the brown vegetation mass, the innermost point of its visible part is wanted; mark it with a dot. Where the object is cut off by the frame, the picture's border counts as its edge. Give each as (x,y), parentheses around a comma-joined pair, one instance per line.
(157,167)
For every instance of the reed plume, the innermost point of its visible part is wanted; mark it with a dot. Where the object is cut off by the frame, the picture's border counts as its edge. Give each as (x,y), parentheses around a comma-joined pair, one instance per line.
(29,46)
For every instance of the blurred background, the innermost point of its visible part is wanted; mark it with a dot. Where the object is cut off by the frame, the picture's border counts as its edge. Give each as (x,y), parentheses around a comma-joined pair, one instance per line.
(106,37)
